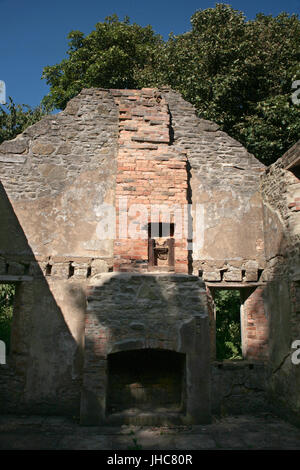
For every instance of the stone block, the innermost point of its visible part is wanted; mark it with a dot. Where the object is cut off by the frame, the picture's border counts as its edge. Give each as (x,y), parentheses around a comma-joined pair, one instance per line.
(2,266)
(80,271)
(251,275)
(98,266)
(15,269)
(60,270)
(266,275)
(251,264)
(233,275)
(72,107)
(64,149)
(212,276)
(14,146)
(42,148)
(12,159)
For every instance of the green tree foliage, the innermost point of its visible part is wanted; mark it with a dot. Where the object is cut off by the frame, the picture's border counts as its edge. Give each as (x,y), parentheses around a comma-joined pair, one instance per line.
(106,58)
(228,329)
(14,118)
(7,292)
(237,73)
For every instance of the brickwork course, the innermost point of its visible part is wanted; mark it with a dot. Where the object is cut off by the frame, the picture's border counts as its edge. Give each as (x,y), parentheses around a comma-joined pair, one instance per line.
(149,172)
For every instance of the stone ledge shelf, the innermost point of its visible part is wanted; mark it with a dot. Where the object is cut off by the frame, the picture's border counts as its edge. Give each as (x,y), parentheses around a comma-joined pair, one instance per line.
(234,284)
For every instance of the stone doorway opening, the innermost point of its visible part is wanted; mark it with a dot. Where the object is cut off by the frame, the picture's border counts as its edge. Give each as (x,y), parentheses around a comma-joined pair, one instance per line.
(226,324)
(145,385)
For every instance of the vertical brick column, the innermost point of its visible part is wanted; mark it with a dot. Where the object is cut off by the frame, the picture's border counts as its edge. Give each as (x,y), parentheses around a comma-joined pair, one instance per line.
(255,325)
(149,172)
(212,324)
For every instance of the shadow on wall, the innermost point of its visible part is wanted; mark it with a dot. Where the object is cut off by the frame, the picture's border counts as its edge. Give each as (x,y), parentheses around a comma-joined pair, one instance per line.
(282,275)
(43,374)
(138,325)
(280,297)
(44,368)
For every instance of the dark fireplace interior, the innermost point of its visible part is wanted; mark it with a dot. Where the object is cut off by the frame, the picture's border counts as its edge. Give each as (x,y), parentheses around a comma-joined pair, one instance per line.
(147,380)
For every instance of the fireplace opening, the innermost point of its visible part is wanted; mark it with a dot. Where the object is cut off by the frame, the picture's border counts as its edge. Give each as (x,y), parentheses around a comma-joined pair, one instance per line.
(147,380)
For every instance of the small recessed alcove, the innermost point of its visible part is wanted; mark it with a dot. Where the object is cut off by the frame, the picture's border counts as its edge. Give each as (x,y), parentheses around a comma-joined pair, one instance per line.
(161,246)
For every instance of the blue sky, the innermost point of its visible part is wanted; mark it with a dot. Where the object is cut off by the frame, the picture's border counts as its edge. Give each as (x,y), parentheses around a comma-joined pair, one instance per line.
(33,33)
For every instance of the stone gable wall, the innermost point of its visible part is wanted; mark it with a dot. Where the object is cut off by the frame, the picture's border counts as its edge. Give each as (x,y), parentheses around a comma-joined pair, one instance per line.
(58,172)
(54,178)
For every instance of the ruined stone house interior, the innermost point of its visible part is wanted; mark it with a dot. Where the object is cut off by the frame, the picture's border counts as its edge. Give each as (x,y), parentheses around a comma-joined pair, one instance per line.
(123,329)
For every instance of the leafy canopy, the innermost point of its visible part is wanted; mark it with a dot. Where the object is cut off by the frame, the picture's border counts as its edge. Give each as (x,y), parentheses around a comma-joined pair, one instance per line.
(106,58)
(237,73)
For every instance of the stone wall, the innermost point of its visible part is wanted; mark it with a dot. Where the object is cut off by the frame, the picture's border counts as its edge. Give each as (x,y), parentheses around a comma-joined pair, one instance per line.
(44,368)
(148,146)
(280,190)
(239,388)
(224,180)
(58,172)
(54,178)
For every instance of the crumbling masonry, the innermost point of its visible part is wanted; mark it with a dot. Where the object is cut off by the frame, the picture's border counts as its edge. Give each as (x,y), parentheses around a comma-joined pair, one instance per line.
(121,328)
